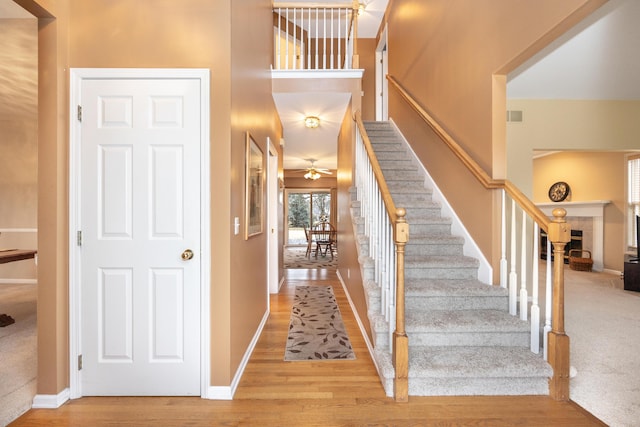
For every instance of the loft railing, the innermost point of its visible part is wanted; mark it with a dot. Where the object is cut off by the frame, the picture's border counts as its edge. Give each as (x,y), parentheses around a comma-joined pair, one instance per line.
(315,38)
(388,232)
(520,227)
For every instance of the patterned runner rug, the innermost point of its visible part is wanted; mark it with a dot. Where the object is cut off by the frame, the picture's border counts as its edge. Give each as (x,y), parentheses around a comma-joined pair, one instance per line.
(294,257)
(316,330)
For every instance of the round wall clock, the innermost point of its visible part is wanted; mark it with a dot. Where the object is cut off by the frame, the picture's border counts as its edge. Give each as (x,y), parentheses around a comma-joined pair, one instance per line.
(559,191)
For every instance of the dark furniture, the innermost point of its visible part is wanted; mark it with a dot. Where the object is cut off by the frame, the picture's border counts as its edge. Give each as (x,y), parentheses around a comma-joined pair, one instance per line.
(10,255)
(631,274)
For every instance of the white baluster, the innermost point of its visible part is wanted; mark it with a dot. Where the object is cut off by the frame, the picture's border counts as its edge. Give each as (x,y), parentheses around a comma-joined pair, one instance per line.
(548,299)
(308,45)
(287,39)
(513,276)
(279,41)
(503,242)
(324,39)
(535,308)
(331,38)
(524,297)
(317,43)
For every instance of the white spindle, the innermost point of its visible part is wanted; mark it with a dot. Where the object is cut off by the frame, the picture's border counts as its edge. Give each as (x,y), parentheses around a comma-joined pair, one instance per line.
(331,38)
(524,296)
(317,40)
(286,66)
(308,44)
(535,308)
(295,38)
(548,298)
(503,242)
(513,276)
(279,41)
(339,59)
(324,39)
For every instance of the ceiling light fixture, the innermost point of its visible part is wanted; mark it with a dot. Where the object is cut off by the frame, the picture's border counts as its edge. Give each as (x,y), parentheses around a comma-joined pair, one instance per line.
(312,122)
(361,7)
(312,174)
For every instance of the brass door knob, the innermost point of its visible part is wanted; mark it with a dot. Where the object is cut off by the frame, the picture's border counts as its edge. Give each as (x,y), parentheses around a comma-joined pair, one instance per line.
(187,255)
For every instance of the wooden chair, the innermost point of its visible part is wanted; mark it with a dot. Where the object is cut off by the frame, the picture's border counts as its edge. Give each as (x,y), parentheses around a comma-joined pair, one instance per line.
(309,241)
(324,236)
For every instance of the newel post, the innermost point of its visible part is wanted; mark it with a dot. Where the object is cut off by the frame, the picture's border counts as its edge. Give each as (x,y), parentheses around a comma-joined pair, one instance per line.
(558,354)
(400,340)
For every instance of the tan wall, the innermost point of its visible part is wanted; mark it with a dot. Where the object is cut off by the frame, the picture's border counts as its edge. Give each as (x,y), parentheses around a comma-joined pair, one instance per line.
(18,143)
(446,57)
(367,52)
(591,176)
(348,264)
(236,46)
(567,125)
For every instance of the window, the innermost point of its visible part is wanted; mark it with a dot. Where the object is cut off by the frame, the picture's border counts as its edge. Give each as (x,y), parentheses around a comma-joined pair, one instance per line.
(305,208)
(633,198)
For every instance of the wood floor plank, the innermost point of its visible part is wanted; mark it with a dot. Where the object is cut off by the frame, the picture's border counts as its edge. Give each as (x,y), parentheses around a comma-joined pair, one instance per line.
(274,392)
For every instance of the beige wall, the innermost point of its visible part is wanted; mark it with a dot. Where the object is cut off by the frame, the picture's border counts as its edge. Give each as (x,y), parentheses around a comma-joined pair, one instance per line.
(18,143)
(452,58)
(567,125)
(234,42)
(592,176)
(367,52)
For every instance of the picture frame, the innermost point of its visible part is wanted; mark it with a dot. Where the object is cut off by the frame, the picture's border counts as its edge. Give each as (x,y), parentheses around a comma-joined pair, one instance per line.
(254,188)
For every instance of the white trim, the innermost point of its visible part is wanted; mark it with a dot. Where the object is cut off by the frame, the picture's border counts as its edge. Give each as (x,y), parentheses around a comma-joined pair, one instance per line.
(470,248)
(77,75)
(50,401)
(273,259)
(317,74)
(18,281)
(227,392)
(18,230)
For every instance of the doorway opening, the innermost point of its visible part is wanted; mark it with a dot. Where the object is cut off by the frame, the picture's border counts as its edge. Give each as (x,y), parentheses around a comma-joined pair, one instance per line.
(305,208)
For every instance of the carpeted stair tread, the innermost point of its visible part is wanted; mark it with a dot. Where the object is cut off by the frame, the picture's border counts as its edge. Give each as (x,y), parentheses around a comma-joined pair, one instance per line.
(455,321)
(475,362)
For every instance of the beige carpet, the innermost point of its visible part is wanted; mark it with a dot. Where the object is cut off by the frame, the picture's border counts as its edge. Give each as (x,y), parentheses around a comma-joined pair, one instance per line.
(17,351)
(603,324)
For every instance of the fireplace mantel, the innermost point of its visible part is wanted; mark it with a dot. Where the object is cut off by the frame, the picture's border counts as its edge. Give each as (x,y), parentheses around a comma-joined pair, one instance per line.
(593,209)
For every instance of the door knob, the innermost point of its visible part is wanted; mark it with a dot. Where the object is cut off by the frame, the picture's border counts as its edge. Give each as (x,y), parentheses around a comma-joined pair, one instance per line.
(187,255)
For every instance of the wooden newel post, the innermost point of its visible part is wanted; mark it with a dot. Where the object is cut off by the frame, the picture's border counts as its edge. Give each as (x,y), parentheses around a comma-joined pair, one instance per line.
(559,234)
(400,353)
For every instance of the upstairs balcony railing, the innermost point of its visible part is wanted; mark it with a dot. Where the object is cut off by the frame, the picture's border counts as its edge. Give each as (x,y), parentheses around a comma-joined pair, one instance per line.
(315,38)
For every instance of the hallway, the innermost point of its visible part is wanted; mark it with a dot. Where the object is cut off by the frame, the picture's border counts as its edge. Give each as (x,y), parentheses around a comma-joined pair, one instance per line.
(273,392)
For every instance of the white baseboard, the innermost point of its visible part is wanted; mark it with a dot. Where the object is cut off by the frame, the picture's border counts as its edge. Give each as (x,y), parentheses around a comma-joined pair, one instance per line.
(227,392)
(50,401)
(18,281)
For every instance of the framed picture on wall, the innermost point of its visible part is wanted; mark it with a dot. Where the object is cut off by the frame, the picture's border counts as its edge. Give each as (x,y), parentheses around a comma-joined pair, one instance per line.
(254,185)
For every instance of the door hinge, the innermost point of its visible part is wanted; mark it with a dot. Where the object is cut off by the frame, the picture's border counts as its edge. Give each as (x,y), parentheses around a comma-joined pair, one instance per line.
(79,362)
(79,113)
(79,237)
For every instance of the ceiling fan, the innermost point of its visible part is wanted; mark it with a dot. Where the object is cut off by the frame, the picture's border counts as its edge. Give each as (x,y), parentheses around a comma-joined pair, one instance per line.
(313,172)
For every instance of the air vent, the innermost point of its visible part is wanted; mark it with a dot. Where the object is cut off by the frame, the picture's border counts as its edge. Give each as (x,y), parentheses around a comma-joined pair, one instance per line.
(514,116)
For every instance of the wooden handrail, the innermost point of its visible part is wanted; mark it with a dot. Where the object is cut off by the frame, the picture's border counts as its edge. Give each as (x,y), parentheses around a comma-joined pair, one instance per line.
(559,234)
(473,167)
(397,217)
(377,171)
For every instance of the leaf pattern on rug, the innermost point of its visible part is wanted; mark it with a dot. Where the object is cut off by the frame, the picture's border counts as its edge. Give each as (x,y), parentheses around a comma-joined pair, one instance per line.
(316,329)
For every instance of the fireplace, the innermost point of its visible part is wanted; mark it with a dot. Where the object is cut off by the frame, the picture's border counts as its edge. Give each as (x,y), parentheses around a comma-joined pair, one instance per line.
(575,243)
(587,217)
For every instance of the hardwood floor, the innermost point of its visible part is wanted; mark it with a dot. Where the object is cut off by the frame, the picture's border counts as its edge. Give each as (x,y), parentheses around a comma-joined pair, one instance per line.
(273,392)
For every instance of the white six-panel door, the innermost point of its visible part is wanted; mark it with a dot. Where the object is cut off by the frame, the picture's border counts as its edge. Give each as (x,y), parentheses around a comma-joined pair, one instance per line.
(140,223)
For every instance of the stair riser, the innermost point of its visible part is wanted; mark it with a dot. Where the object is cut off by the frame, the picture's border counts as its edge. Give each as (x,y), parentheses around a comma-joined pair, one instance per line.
(478,386)
(498,339)
(393,155)
(435,249)
(441,273)
(429,229)
(456,303)
(394,165)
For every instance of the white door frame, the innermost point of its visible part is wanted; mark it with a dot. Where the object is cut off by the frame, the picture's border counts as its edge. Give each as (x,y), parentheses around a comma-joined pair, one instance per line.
(382,85)
(272,218)
(77,75)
